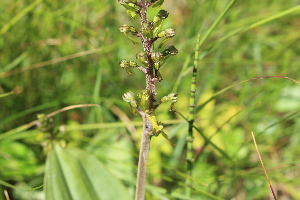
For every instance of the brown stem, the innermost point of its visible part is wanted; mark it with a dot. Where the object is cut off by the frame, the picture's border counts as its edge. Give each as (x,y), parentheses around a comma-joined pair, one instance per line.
(143,159)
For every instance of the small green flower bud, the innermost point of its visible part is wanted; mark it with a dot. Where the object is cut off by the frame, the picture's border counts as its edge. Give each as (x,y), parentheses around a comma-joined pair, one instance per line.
(124,28)
(129,29)
(131,7)
(127,1)
(132,64)
(157,127)
(146,30)
(165,52)
(157,3)
(133,30)
(125,64)
(170,32)
(172,50)
(142,57)
(172,97)
(156,57)
(45,124)
(162,14)
(144,95)
(129,97)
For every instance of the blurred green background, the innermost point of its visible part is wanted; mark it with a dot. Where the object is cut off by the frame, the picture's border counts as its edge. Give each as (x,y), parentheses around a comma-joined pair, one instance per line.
(55,54)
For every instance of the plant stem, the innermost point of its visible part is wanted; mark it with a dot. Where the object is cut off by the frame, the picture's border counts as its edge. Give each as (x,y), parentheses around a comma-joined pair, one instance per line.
(147,46)
(147,128)
(190,137)
(143,159)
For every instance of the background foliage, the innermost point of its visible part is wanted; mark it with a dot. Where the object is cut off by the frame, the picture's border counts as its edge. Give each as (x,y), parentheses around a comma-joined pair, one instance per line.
(59,53)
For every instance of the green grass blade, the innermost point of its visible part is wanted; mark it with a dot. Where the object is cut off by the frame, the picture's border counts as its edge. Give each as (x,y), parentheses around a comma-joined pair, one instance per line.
(6,94)
(15,19)
(258,23)
(213,26)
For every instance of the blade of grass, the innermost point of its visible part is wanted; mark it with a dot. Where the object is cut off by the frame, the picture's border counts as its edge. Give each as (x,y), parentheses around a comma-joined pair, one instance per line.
(256,24)
(213,26)
(262,164)
(15,19)
(35,122)
(6,94)
(229,87)
(56,60)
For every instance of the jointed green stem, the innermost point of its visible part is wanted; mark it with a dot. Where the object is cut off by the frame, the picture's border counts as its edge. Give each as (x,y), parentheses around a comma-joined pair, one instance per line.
(189,156)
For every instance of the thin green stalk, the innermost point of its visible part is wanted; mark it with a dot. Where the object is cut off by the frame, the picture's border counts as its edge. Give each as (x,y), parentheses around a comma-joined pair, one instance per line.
(190,137)
(191,117)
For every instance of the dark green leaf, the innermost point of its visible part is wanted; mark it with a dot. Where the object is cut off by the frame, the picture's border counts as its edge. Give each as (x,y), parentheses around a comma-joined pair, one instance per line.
(158,3)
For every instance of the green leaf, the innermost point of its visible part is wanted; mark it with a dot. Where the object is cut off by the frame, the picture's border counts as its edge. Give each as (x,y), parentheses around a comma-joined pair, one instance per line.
(131,9)
(158,3)
(6,94)
(73,174)
(17,161)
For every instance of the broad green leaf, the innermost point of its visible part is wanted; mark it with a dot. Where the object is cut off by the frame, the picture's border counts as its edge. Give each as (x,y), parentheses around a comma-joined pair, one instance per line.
(73,174)
(17,161)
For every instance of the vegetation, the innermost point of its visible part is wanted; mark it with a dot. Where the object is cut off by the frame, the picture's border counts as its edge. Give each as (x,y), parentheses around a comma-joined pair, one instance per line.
(64,55)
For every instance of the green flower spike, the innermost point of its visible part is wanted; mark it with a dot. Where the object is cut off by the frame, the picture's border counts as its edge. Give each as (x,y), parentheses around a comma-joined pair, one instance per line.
(45,124)
(129,29)
(144,95)
(158,19)
(131,7)
(129,97)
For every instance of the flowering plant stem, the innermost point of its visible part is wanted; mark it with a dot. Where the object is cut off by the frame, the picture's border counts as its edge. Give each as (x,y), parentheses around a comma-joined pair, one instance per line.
(146,135)
(151,63)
